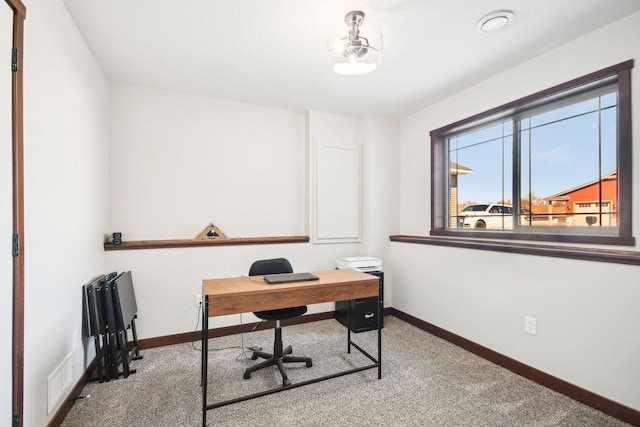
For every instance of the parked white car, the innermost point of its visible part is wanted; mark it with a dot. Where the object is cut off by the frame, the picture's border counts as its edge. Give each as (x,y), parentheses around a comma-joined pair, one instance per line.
(490,215)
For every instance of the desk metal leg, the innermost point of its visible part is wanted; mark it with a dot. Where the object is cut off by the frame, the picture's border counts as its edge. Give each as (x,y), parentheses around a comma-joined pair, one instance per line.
(380,314)
(349,326)
(205,357)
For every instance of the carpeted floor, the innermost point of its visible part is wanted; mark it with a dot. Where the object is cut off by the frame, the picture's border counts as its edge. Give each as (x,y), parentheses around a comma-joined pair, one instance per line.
(425,382)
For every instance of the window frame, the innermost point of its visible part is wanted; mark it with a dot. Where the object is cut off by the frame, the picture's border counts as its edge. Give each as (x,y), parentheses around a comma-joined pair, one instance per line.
(620,73)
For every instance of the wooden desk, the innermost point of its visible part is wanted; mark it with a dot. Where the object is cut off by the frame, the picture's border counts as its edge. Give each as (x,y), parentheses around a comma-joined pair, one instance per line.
(242,295)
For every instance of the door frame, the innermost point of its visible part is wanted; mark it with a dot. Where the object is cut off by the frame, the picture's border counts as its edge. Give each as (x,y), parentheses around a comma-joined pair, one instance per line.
(17,141)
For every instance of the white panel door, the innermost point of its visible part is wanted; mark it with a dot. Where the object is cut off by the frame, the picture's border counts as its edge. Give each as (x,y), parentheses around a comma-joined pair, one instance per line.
(338,192)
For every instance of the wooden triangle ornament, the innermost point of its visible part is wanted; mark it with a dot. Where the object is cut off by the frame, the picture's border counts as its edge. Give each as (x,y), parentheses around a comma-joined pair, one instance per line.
(211,232)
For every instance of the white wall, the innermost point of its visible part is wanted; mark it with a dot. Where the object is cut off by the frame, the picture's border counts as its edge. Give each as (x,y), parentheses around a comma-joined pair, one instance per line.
(66,159)
(586,312)
(381,198)
(180,161)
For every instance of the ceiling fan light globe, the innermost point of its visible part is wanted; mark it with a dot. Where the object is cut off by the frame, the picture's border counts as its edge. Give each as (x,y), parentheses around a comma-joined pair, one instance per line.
(358,53)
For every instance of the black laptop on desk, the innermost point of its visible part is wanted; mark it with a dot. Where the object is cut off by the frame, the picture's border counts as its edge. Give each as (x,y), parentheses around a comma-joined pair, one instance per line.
(274,279)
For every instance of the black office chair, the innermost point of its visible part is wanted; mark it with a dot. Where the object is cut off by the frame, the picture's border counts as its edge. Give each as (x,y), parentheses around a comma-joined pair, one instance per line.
(280,356)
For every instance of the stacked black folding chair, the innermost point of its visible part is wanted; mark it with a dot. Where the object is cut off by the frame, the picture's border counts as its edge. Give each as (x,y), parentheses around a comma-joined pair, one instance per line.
(110,311)
(93,324)
(125,312)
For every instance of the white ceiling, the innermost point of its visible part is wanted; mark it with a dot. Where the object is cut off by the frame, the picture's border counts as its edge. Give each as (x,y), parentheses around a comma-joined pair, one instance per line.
(273,52)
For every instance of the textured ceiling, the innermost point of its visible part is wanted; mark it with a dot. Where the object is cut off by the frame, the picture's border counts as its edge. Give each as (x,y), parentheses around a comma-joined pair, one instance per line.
(273,52)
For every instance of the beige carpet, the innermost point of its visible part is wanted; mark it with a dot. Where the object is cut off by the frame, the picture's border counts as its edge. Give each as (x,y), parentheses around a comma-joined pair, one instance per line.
(425,382)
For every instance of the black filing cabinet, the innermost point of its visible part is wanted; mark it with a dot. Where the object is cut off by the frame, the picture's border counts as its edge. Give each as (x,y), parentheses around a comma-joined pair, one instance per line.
(364,311)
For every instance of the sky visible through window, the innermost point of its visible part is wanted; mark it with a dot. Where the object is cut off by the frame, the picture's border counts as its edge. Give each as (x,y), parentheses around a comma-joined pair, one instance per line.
(561,149)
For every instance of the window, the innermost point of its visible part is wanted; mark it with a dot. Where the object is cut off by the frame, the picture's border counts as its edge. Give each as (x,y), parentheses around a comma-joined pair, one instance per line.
(553,166)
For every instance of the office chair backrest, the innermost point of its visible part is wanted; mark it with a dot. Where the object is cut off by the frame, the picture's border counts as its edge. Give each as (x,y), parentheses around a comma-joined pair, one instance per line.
(270,266)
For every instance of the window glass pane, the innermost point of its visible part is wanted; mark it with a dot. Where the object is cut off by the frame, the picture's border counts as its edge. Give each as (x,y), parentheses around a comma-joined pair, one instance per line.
(609,144)
(609,174)
(609,100)
(481,178)
(565,112)
(566,157)
(479,136)
(508,128)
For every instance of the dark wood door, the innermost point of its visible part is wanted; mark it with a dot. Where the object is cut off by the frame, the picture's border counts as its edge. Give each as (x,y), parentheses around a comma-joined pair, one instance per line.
(6,207)
(12,195)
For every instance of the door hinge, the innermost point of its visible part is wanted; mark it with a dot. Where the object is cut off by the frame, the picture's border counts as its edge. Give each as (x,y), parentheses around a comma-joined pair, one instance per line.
(16,245)
(16,421)
(15,58)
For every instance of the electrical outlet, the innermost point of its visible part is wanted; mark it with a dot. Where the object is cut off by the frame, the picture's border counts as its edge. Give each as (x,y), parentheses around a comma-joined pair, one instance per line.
(530,325)
(198,300)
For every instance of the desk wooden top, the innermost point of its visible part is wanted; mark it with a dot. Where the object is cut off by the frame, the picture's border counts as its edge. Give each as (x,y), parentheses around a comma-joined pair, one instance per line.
(243,295)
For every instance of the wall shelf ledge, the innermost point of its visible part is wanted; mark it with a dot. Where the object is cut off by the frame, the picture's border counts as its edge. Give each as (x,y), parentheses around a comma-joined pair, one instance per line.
(189,243)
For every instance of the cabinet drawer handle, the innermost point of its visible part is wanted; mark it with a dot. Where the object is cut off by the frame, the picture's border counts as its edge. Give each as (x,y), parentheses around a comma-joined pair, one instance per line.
(368,315)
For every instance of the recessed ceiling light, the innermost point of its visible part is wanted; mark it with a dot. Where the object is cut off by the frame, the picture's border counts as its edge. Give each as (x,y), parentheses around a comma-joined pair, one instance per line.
(495,21)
